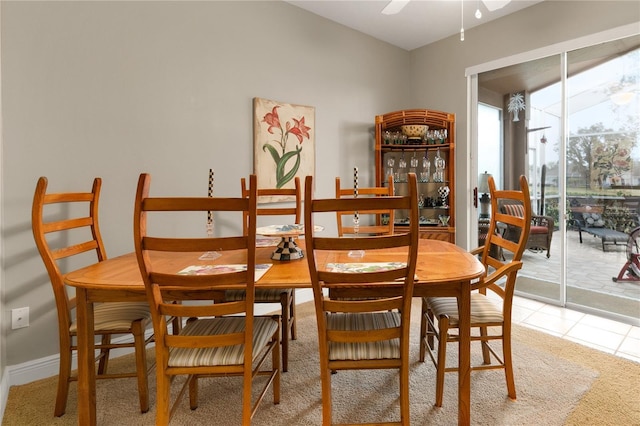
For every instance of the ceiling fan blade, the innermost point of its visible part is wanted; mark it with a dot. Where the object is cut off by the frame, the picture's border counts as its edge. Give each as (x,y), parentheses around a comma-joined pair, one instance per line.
(394,6)
(495,4)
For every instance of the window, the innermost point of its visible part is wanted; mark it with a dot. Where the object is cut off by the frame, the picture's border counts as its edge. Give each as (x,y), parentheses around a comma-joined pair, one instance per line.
(490,153)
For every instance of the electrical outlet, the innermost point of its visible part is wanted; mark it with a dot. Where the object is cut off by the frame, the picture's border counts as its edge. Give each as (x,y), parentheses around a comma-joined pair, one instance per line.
(19,318)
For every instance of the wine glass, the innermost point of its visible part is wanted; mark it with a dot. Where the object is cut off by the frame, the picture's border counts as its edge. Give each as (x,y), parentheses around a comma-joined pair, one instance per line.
(413,163)
(443,136)
(439,164)
(402,169)
(387,137)
(390,163)
(426,169)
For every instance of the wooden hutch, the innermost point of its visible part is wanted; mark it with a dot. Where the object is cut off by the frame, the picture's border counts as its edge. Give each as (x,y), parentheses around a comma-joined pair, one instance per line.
(390,150)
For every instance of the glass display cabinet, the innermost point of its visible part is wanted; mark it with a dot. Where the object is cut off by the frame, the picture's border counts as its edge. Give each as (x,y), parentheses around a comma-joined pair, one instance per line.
(420,141)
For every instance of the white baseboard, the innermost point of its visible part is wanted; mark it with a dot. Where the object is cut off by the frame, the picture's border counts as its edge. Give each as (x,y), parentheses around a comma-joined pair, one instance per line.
(4,393)
(42,368)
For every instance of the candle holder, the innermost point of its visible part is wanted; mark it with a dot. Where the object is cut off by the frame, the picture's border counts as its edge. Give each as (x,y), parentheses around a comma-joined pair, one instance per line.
(210,255)
(356,229)
(356,215)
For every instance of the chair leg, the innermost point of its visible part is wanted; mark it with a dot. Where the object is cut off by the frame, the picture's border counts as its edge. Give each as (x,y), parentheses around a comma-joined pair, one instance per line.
(486,355)
(163,388)
(284,302)
(246,394)
(137,329)
(103,364)
(404,392)
(275,362)
(508,362)
(423,330)
(326,394)
(64,375)
(443,326)
(193,392)
(292,315)
(431,331)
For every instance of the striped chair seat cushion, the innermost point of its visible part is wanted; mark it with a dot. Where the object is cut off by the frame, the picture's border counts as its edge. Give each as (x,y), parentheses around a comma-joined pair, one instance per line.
(263,330)
(262,295)
(385,349)
(117,315)
(513,210)
(483,310)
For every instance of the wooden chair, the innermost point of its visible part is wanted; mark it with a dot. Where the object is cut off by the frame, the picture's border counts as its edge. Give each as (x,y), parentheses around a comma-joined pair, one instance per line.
(285,297)
(486,312)
(370,333)
(219,339)
(65,232)
(380,226)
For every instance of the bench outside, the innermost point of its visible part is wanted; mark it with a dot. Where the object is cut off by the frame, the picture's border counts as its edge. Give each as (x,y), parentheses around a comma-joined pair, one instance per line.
(608,236)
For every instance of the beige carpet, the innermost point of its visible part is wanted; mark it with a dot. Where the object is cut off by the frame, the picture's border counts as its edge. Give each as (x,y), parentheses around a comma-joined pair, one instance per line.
(558,383)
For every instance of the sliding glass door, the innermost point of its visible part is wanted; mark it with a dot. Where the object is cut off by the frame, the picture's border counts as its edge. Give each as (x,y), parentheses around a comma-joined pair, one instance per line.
(603,176)
(576,136)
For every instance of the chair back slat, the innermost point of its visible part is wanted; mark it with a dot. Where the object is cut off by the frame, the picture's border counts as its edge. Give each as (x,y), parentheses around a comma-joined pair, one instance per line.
(194,244)
(67,224)
(184,204)
(73,250)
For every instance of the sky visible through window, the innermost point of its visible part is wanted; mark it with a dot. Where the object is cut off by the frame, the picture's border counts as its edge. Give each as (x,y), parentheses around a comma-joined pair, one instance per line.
(592,100)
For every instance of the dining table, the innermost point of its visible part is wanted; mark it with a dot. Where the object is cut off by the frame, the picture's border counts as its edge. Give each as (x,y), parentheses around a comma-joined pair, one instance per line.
(443,269)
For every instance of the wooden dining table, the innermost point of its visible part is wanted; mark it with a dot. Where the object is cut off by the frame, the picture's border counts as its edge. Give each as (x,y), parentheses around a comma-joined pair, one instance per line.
(443,269)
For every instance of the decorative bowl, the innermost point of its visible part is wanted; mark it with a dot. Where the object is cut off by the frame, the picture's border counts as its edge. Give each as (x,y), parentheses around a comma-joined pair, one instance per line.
(415,130)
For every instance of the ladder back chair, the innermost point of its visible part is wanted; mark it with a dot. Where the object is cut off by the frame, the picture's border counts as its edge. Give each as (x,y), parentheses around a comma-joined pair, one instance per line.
(491,304)
(365,333)
(383,219)
(65,233)
(285,297)
(219,339)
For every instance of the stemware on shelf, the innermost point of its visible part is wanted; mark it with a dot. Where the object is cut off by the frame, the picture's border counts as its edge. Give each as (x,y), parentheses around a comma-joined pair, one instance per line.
(387,138)
(402,169)
(413,164)
(439,164)
(443,136)
(390,163)
(426,168)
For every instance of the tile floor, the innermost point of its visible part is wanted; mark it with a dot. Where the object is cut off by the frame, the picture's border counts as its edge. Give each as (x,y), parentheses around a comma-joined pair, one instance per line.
(606,335)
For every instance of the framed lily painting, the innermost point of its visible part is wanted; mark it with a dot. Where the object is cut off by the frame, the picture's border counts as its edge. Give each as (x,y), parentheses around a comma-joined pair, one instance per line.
(284,143)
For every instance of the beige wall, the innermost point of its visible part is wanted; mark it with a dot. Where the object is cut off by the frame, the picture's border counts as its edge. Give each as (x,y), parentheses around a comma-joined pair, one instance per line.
(113,89)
